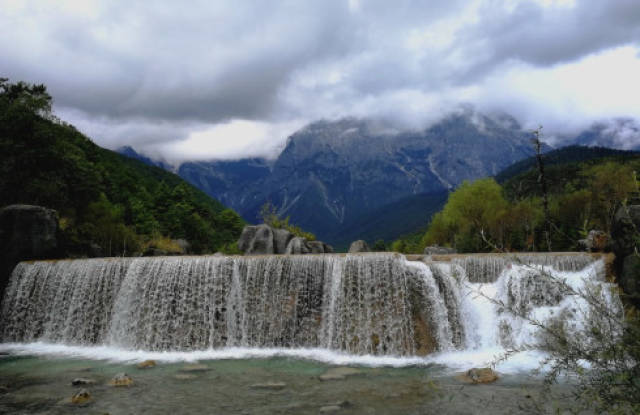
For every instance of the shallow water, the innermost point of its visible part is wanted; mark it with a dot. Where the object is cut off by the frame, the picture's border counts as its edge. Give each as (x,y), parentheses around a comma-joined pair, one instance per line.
(42,385)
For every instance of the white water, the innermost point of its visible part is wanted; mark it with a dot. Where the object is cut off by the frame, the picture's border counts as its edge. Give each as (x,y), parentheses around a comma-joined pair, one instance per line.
(323,308)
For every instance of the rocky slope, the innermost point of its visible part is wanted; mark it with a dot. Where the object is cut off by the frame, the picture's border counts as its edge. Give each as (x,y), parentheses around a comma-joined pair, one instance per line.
(331,174)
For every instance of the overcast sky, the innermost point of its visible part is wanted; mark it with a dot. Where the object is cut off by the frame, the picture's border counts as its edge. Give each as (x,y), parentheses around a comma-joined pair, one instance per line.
(226,79)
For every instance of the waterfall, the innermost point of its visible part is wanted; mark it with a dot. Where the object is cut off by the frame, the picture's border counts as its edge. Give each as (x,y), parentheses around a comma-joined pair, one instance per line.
(378,304)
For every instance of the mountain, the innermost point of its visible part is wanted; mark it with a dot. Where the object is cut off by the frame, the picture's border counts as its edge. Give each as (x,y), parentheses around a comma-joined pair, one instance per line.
(128,151)
(107,202)
(569,154)
(620,133)
(332,175)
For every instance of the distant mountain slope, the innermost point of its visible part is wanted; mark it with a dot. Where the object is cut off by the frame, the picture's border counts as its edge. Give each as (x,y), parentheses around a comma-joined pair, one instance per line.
(104,199)
(562,155)
(332,174)
(620,133)
(391,221)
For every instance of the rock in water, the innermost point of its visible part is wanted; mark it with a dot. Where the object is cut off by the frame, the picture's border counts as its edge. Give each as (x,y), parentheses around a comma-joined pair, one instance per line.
(339,373)
(146,364)
(269,385)
(121,379)
(479,375)
(195,368)
(83,396)
(82,382)
(359,246)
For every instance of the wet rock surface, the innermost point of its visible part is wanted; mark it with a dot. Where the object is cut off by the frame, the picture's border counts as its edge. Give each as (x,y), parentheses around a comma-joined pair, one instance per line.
(266,240)
(359,246)
(121,379)
(81,397)
(479,375)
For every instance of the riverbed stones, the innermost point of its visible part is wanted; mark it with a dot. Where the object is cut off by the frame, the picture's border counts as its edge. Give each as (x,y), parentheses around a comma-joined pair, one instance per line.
(195,368)
(269,385)
(146,364)
(82,382)
(185,376)
(121,379)
(339,373)
(479,375)
(81,397)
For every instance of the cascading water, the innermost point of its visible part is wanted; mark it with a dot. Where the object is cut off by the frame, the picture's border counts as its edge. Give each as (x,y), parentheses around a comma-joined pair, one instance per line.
(366,304)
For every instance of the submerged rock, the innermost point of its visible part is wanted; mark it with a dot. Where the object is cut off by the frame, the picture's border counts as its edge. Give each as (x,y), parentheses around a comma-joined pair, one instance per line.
(359,246)
(146,364)
(82,382)
(269,385)
(82,396)
(185,376)
(479,375)
(195,368)
(339,373)
(329,409)
(121,379)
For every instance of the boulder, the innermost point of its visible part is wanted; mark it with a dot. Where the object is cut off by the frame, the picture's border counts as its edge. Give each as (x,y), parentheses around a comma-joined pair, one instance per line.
(146,364)
(281,238)
(439,250)
(81,397)
(265,240)
(121,379)
(256,240)
(269,385)
(479,375)
(625,230)
(82,382)
(359,246)
(629,277)
(339,373)
(596,241)
(316,247)
(26,232)
(297,245)
(625,235)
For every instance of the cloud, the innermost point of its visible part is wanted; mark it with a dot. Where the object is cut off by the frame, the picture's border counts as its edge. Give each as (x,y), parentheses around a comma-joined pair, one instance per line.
(222,79)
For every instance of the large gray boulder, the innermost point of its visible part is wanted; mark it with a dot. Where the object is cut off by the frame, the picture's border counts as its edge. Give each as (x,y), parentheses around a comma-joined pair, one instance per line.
(298,246)
(629,277)
(625,235)
(359,246)
(265,240)
(625,230)
(281,238)
(257,240)
(26,232)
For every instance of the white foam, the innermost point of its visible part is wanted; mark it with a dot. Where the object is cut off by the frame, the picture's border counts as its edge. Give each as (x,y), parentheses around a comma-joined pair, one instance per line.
(453,361)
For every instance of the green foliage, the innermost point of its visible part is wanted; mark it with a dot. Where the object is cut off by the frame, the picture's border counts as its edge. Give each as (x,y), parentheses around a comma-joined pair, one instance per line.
(102,197)
(473,209)
(483,216)
(269,215)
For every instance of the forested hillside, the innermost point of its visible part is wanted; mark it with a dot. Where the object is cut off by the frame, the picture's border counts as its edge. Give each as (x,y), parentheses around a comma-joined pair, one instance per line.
(107,202)
(484,215)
